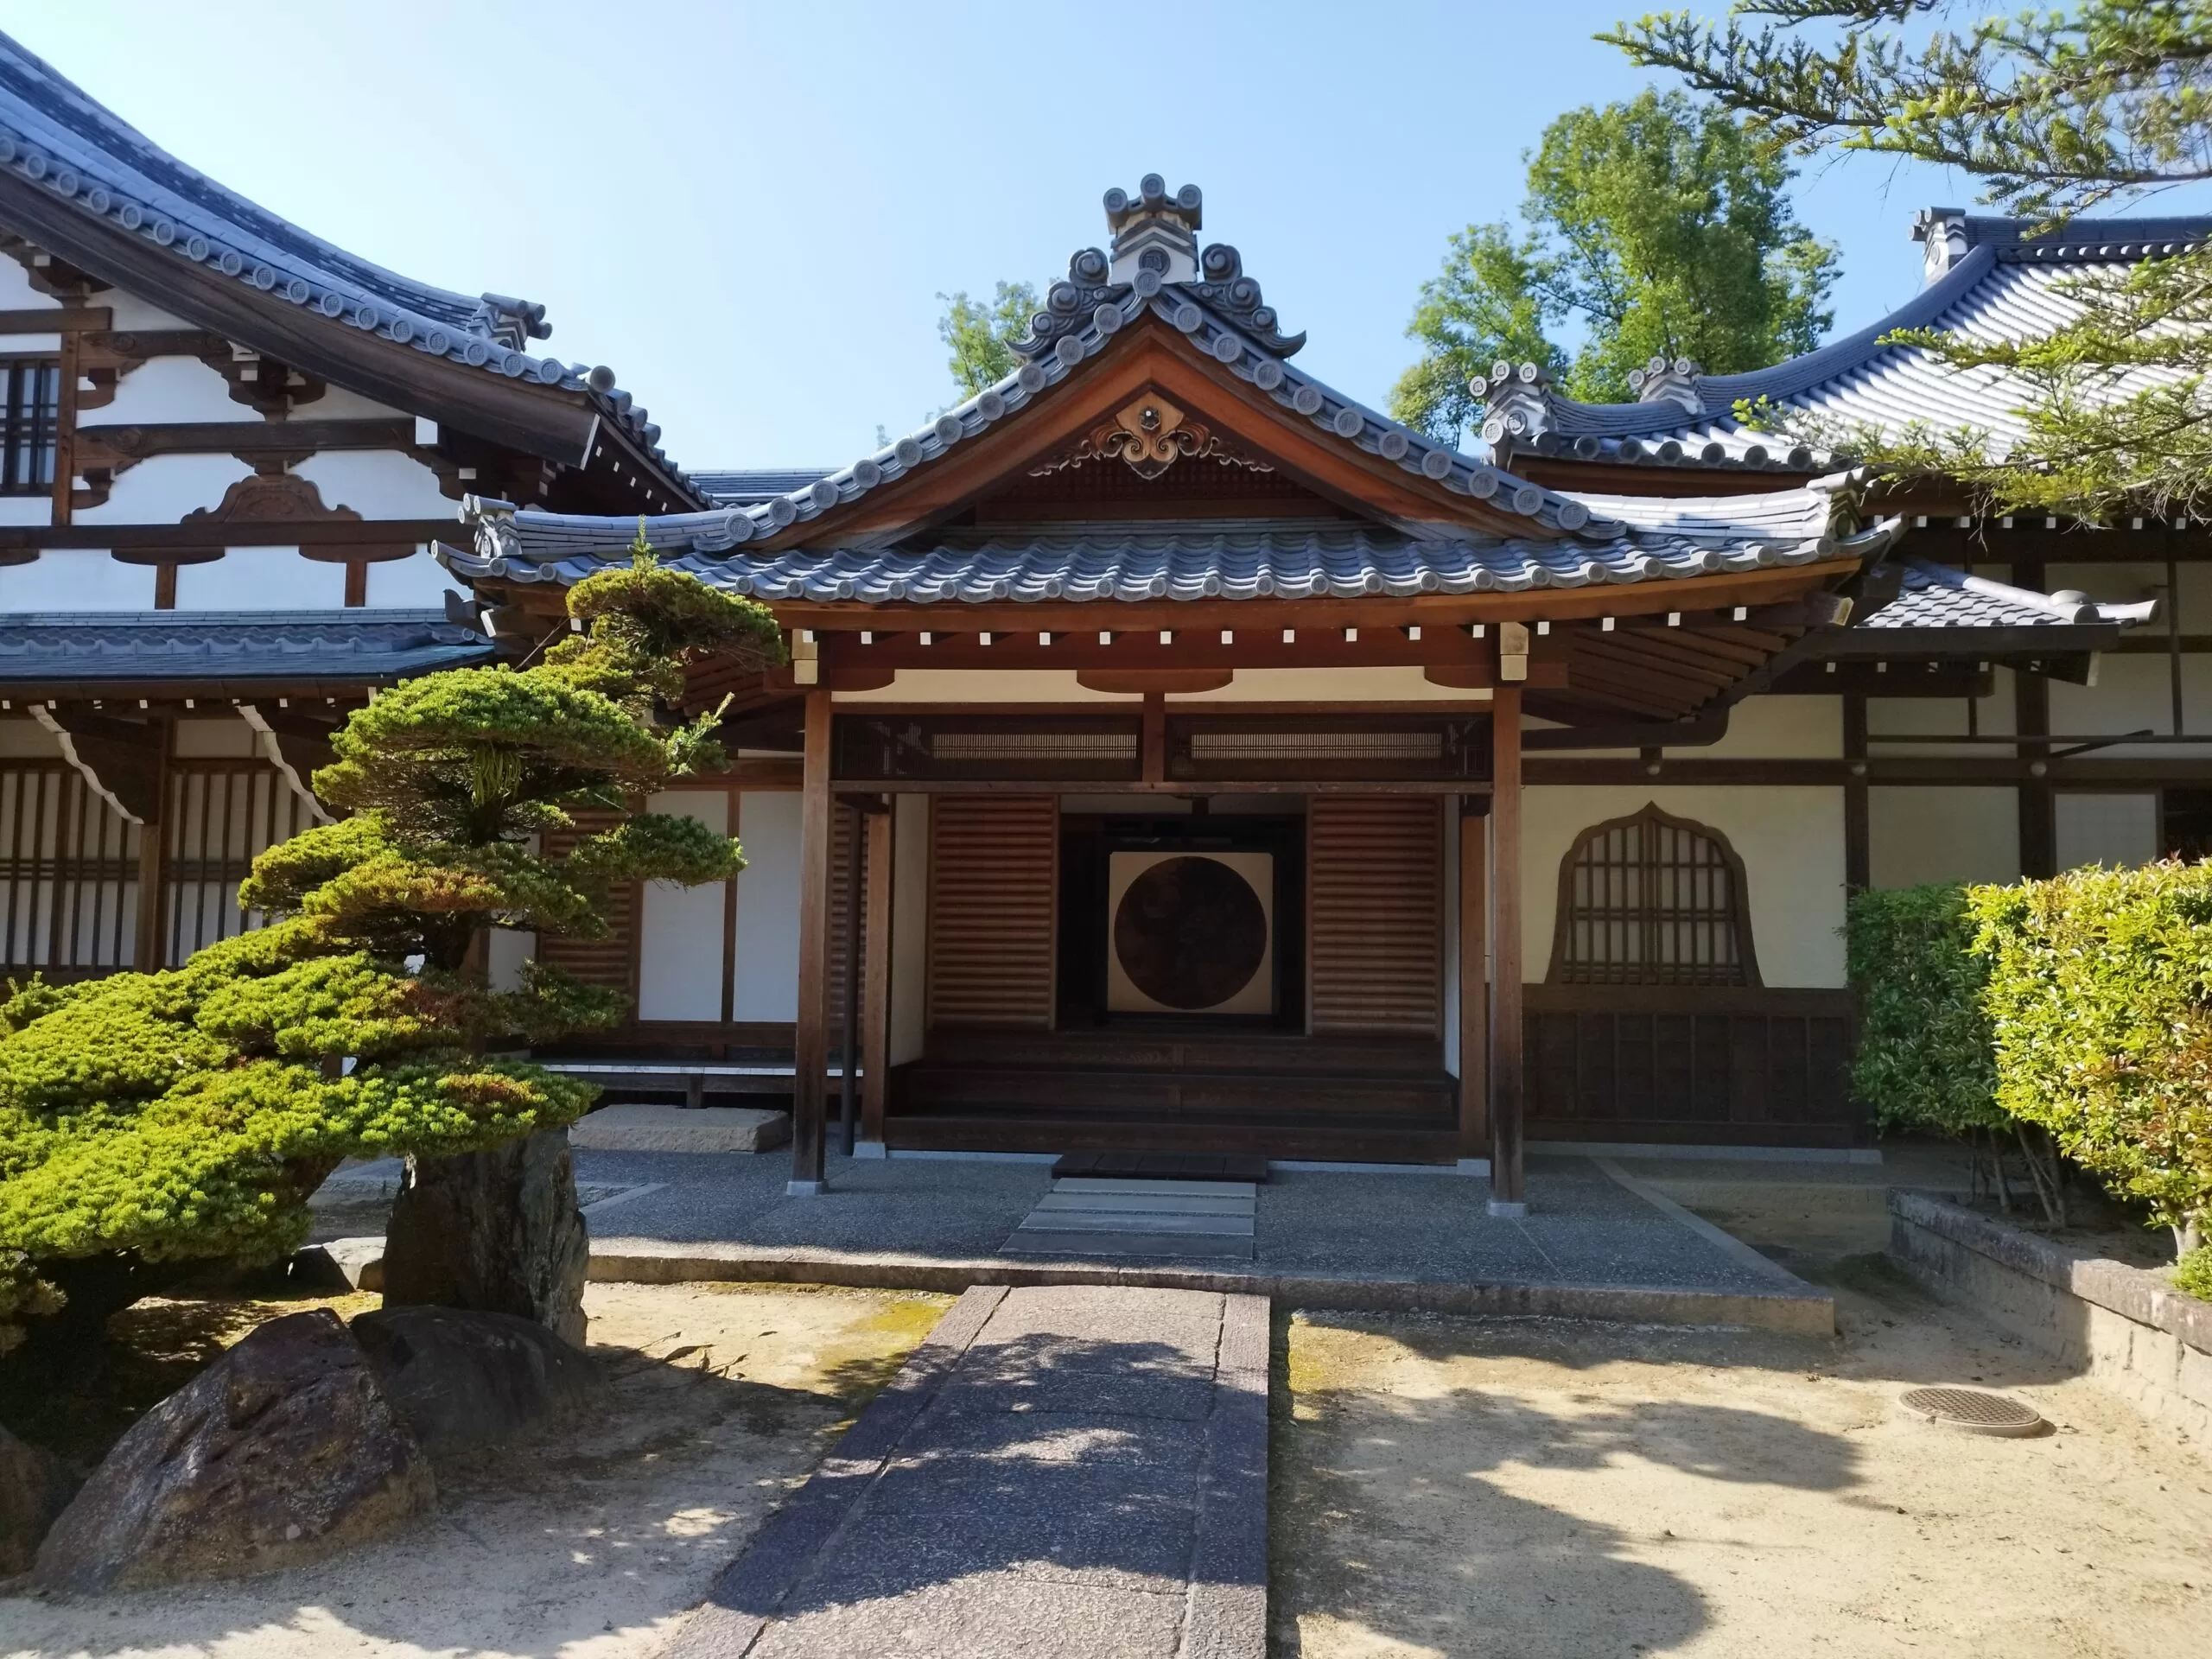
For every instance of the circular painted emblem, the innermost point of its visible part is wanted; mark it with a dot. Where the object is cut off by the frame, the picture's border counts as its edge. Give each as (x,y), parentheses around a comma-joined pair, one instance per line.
(1189,932)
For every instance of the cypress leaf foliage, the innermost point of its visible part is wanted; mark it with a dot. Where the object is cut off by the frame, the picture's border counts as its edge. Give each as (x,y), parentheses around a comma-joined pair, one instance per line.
(150,1121)
(2055,112)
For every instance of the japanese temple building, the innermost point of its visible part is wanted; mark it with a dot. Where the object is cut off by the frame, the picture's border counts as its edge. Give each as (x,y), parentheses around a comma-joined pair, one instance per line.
(1176,753)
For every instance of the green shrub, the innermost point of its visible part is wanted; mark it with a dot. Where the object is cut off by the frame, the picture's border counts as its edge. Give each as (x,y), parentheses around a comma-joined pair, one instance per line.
(1925,1059)
(2099,981)
(153,1119)
(2193,1272)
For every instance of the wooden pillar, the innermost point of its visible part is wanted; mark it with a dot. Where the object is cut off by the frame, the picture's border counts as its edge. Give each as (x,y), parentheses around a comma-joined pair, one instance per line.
(153,835)
(848,999)
(65,430)
(1858,847)
(2031,719)
(1474,982)
(875,989)
(810,1044)
(1505,1018)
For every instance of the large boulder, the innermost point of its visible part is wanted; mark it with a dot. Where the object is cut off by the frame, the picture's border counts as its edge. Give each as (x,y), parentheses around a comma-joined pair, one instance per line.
(495,1232)
(283,1451)
(34,1488)
(463,1378)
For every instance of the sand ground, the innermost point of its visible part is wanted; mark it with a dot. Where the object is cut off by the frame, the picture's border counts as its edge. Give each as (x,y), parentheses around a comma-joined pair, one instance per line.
(583,1545)
(1534,1488)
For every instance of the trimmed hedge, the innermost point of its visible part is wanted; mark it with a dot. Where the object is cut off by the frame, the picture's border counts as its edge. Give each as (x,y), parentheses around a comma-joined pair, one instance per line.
(1926,1056)
(2099,981)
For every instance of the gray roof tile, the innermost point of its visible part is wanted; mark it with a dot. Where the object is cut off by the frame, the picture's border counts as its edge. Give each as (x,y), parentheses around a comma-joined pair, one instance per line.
(363,645)
(1937,596)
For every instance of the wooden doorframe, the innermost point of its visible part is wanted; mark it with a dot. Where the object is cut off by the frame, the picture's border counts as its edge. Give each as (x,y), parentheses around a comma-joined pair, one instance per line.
(1474,982)
(810,1039)
(1506,1018)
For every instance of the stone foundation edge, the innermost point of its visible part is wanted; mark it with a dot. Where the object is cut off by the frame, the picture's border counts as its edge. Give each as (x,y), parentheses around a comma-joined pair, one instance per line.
(2126,1329)
(646,1261)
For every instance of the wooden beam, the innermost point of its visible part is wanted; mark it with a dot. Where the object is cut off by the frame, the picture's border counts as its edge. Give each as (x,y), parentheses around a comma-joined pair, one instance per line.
(1474,986)
(2038,803)
(63,320)
(1858,854)
(65,434)
(138,440)
(153,841)
(811,1041)
(1506,1183)
(263,532)
(875,988)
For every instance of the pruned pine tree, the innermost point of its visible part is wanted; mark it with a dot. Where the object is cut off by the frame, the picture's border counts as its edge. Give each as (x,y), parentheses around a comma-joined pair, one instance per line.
(150,1122)
(2091,104)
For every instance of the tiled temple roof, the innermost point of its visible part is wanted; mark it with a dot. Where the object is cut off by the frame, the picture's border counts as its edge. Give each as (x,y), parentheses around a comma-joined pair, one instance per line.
(1990,280)
(56,138)
(1937,596)
(752,487)
(1213,558)
(360,646)
(1203,294)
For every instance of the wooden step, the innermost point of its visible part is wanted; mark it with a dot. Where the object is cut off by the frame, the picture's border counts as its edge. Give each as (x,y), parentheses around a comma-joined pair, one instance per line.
(1381,1145)
(931,1088)
(1161,1166)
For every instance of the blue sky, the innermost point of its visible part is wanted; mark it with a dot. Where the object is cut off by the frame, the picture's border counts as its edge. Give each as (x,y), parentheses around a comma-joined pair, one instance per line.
(748,210)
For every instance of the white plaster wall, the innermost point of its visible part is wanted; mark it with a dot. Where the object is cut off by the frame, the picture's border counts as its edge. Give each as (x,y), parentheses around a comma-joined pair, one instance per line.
(2134,694)
(1943,717)
(1790,838)
(1401,684)
(376,483)
(1921,834)
(910,923)
(26,739)
(680,929)
(261,579)
(132,312)
(16,293)
(984,685)
(26,509)
(2124,583)
(217,740)
(1787,729)
(417,582)
(76,579)
(504,952)
(2104,828)
(767,985)
(163,489)
(169,388)
(340,403)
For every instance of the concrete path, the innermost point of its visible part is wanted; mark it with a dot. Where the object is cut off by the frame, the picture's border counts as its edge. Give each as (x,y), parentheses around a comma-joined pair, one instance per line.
(1056,1471)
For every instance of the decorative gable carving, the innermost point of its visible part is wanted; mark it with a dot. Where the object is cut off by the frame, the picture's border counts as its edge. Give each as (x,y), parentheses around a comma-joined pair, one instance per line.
(267,495)
(1151,434)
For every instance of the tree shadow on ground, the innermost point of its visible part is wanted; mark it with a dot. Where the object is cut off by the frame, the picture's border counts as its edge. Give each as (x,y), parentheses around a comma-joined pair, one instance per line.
(612,1523)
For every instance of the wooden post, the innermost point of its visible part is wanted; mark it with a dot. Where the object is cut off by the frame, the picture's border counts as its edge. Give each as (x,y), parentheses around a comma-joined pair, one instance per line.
(1474,987)
(1505,1033)
(65,431)
(2038,802)
(147,953)
(875,989)
(850,998)
(1858,843)
(810,1043)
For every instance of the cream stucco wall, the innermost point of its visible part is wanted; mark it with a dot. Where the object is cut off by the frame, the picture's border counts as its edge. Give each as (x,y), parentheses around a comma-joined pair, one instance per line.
(1790,838)
(1937,834)
(680,929)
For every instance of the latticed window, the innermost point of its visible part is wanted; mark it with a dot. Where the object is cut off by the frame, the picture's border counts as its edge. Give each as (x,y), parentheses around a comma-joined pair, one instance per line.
(33,388)
(1652,901)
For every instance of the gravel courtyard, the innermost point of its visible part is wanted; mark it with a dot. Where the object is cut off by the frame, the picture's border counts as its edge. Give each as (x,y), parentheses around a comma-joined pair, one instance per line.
(1535,1489)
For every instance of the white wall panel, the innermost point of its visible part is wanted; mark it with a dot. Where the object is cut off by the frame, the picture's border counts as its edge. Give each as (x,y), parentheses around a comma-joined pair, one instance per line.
(16,293)
(504,952)
(226,739)
(341,404)
(2106,829)
(168,389)
(76,579)
(376,483)
(766,985)
(2135,694)
(261,579)
(163,490)
(1787,728)
(680,929)
(130,311)
(1917,836)
(1790,838)
(417,582)
(26,509)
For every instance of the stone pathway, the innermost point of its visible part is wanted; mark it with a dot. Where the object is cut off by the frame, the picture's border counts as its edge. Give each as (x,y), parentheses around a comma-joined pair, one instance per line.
(1090,1216)
(1056,1471)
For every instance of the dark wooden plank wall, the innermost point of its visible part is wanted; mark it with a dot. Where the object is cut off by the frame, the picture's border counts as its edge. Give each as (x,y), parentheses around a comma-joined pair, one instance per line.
(993,907)
(1689,1064)
(611,960)
(1375,884)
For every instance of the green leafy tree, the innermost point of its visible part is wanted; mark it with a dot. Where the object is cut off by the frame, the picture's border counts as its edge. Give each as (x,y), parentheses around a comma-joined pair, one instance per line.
(152,1120)
(2100,996)
(982,336)
(2055,111)
(1656,228)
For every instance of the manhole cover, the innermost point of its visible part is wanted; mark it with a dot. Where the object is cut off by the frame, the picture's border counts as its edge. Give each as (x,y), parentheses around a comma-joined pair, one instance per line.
(1972,1410)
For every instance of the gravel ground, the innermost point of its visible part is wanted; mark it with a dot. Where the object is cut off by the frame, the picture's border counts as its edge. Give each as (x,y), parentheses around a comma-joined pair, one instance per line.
(1530,1489)
(585,1545)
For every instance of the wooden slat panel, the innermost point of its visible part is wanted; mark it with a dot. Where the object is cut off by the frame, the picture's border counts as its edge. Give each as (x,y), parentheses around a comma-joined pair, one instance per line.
(69,876)
(993,899)
(611,960)
(1376,913)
